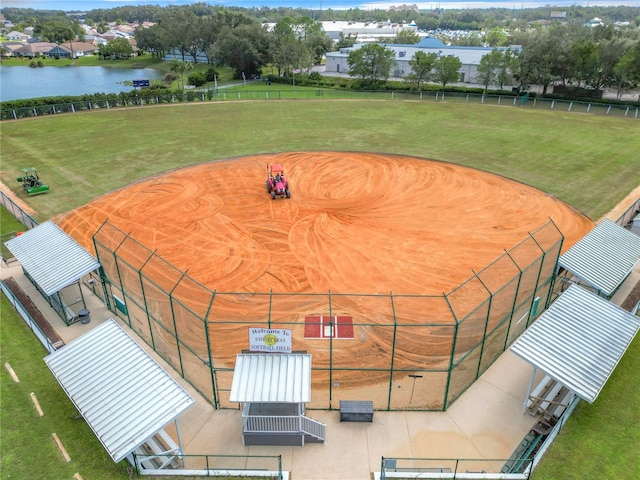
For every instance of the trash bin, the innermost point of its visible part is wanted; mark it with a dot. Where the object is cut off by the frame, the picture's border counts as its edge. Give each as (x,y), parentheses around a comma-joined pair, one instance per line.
(84,316)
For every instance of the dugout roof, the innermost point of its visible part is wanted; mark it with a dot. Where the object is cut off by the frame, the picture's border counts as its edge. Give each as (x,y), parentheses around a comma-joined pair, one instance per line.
(274,377)
(604,257)
(122,393)
(51,258)
(579,341)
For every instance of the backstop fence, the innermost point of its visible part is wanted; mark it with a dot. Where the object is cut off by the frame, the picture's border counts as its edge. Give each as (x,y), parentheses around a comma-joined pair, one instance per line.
(403,352)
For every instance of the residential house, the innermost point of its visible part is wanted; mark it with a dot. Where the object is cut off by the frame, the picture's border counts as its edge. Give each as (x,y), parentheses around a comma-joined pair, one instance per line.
(34,49)
(15,36)
(73,50)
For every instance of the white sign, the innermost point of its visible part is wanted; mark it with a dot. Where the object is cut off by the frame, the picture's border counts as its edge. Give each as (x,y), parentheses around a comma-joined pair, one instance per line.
(265,340)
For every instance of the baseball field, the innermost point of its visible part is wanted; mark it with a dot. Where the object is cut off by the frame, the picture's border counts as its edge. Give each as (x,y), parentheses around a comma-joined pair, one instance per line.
(90,160)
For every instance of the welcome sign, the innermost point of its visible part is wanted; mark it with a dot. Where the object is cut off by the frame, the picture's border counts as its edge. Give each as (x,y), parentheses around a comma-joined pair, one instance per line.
(266,340)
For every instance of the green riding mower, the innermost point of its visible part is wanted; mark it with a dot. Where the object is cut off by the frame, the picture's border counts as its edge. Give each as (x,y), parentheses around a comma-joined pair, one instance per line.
(31,182)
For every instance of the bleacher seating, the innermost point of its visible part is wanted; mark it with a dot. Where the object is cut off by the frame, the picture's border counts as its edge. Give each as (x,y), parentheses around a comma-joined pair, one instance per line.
(520,458)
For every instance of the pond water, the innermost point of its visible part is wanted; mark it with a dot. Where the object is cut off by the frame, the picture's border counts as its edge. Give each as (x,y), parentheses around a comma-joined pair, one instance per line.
(26,82)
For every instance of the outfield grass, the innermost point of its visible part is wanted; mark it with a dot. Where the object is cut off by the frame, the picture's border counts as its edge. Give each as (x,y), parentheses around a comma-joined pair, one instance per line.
(589,161)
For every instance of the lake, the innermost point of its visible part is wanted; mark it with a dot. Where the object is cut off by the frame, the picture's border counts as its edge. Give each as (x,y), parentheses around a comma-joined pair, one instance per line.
(26,82)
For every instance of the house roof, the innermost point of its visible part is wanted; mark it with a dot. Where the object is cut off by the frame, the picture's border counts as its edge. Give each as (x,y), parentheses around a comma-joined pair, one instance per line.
(263,378)
(604,257)
(52,258)
(42,47)
(78,46)
(578,341)
(121,392)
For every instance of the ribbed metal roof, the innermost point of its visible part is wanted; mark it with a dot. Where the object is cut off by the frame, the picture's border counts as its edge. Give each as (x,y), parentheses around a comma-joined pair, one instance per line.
(282,378)
(122,393)
(52,258)
(604,257)
(579,341)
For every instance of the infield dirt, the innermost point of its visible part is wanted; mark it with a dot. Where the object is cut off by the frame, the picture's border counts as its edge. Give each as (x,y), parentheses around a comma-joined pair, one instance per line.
(356,223)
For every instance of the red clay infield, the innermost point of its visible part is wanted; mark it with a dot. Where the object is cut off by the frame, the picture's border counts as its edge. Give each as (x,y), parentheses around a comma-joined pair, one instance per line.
(356,223)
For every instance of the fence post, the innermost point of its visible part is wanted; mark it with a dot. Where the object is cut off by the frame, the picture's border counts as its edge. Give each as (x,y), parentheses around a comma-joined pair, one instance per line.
(452,356)
(393,350)
(570,106)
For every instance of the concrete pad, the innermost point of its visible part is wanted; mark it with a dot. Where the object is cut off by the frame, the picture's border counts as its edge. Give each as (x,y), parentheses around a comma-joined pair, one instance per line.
(485,423)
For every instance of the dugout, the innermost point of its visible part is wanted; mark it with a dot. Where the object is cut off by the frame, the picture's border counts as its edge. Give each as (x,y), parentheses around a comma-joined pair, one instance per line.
(55,264)
(124,395)
(602,259)
(273,389)
(577,342)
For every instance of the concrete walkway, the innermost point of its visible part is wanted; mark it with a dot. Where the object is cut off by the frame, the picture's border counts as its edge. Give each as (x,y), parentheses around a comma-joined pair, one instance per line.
(485,423)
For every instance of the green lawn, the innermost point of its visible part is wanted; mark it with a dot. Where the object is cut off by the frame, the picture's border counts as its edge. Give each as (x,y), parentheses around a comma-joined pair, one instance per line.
(589,161)
(27,447)
(601,441)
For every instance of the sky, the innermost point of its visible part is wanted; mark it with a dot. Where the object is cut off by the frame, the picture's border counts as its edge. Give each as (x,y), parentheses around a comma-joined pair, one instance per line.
(68,5)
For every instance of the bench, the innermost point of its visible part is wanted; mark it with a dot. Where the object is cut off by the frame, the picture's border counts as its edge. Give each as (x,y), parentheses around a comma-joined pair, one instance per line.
(545,391)
(356,411)
(159,451)
(555,408)
(522,454)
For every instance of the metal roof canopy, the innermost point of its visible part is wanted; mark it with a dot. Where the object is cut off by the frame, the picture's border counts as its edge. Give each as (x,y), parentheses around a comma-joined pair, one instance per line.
(52,258)
(122,393)
(604,257)
(276,377)
(578,341)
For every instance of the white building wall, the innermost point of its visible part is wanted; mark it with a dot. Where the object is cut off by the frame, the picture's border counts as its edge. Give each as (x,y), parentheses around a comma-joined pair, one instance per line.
(336,62)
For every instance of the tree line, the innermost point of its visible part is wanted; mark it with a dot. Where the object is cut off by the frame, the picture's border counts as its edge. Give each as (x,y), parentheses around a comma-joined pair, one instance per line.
(564,54)
(573,57)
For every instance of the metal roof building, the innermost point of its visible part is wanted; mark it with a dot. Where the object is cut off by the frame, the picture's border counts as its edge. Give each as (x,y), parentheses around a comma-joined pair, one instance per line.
(51,258)
(122,393)
(578,341)
(603,258)
(281,378)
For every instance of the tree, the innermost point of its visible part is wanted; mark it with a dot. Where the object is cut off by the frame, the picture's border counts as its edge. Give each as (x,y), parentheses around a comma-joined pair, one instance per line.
(627,70)
(318,45)
(447,70)
(584,60)
(406,37)
(346,41)
(244,48)
(371,63)
(421,65)
(488,68)
(496,37)
(116,48)
(58,31)
(154,39)
(179,68)
(179,25)
(506,67)
(197,79)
